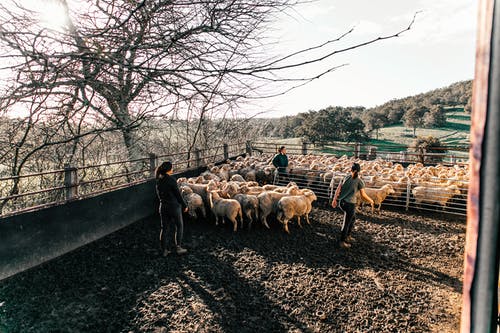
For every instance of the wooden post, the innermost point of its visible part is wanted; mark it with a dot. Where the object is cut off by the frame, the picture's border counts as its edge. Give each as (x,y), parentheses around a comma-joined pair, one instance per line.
(357,149)
(70,182)
(197,157)
(304,148)
(249,148)
(226,151)
(152,165)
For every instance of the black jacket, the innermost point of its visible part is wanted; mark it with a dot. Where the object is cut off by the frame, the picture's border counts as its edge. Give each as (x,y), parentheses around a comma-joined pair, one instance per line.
(168,191)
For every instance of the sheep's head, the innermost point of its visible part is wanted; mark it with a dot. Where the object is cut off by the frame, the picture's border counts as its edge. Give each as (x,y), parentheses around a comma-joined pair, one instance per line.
(310,195)
(182,180)
(389,189)
(454,189)
(186,190)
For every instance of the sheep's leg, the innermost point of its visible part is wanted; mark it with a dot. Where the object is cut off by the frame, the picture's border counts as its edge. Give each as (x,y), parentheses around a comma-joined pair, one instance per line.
(203,212)
(307,219)
(264,221)
(216,220)
(249,216)
(285,224)
(235,223)
(298,221)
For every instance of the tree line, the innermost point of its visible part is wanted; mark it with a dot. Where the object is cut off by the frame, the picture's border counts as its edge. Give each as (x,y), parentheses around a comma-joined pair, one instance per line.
(351,124)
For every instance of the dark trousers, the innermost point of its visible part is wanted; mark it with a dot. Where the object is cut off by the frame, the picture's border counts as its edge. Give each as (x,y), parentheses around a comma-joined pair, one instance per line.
(349,218)
(172,226)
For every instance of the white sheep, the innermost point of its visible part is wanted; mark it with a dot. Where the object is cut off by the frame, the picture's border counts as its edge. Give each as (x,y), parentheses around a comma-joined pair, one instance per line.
(438,194)
(194,202)
(250,206)
(268,201)
(229,208)
(295,205)
(378,195)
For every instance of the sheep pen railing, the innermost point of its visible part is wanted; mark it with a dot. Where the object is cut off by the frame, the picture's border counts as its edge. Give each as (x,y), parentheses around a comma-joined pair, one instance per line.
(324,184)
(37,190)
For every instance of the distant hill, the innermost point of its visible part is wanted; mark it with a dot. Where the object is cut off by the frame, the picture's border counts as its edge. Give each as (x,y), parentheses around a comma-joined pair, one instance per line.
(453,98)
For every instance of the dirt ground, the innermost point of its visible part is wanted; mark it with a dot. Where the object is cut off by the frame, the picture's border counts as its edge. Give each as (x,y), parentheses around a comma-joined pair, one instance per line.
(403,274)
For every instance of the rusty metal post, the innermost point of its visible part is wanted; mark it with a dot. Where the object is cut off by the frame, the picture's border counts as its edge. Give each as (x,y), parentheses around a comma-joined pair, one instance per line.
(70,182)
(357,149)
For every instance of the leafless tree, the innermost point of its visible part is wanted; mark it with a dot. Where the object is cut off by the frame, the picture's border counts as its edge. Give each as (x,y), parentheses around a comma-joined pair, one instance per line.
(128,60)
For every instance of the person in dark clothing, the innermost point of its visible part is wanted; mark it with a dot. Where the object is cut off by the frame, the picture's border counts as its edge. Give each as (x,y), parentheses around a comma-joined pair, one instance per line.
(171,206)
(345,197)
(280,162)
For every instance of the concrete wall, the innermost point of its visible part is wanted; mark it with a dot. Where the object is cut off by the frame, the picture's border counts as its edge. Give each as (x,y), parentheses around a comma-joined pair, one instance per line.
(29,239)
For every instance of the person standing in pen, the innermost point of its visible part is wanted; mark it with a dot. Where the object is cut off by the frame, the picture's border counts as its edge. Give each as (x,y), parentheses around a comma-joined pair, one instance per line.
(280,162)
(171,207)
(345,197)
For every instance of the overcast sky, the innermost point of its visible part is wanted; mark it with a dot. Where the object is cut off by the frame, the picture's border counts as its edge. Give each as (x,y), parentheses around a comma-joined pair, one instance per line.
(437,51)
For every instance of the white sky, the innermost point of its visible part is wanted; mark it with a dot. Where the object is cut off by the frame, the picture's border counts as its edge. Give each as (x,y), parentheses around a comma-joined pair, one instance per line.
(437,51)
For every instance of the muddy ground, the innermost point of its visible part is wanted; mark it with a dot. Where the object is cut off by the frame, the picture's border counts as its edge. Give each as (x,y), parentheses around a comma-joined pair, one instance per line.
(403,274)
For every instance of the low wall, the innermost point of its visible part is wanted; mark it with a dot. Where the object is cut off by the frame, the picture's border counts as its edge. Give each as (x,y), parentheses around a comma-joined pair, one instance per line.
(29,239)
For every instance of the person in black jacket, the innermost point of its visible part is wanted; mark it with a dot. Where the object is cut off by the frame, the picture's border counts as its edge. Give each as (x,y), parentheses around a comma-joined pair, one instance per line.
(171,206)
(280,162)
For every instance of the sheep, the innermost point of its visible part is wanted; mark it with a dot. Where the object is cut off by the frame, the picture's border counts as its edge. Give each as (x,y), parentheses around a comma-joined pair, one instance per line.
(378,195)
(237,178)
(295,205)
(203,190)
(268,201)
(250,206)
(229,208)
(194,202)
(440,195)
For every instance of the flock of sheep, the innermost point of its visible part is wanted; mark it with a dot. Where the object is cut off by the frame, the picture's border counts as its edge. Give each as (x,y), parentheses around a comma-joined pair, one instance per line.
(242,190)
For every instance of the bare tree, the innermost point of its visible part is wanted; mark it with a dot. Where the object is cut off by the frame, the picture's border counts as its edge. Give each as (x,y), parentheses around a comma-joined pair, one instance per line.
(131,60)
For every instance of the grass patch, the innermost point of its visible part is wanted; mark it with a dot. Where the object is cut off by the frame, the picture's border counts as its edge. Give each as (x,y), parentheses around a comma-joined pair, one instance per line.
(456,127)
(458,117)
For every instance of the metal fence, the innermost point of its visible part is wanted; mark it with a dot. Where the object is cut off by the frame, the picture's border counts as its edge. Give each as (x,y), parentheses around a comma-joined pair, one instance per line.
(436,195)
(32,191)
(28,192)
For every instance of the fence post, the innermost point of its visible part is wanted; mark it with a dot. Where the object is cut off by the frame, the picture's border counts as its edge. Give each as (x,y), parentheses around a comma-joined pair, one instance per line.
(357,149)
(304,148)
(408,190)
(197,157)
(152,165)
(70,182)
(453,159)
(249,148)
(226,151)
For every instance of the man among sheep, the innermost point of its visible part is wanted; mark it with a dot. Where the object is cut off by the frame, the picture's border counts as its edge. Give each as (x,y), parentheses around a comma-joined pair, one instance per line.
(280,162)
(345,197)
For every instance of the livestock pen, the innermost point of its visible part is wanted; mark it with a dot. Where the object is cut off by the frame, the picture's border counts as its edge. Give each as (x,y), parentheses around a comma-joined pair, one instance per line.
(258,279)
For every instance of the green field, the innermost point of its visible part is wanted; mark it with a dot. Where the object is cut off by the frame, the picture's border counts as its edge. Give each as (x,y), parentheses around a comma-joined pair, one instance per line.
(455,132)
